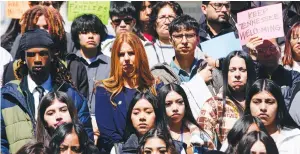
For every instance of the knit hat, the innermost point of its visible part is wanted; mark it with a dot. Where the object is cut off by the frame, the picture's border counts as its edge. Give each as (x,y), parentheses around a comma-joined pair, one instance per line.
(36,38)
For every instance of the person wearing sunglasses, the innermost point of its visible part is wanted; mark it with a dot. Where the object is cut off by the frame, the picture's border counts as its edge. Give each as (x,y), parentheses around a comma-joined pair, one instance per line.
(123,17)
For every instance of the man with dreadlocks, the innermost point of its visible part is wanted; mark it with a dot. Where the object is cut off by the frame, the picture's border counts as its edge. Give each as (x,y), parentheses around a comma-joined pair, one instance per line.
(39,72)
(48,18)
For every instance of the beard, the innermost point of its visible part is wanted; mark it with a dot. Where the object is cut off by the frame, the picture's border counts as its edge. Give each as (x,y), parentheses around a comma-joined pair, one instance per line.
(218,20)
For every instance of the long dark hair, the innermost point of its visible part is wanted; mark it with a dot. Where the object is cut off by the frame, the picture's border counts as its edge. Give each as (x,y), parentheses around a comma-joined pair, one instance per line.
(33,147)
(86,145)
(162,94)
(245,145)
(43,133)
(240,129)
(159,120)
(251,76)
(138,5)
(158,133)
(283,118)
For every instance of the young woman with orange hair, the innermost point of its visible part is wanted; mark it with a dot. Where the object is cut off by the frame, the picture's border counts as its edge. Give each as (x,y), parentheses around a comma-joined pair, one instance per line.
(129,73)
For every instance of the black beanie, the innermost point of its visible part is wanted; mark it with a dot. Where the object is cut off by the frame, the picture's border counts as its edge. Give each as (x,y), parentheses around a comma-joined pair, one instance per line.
(37,38)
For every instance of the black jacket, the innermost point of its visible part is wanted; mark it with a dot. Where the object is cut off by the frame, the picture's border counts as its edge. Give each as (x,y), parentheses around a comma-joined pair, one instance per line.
(205,33)
(132,144)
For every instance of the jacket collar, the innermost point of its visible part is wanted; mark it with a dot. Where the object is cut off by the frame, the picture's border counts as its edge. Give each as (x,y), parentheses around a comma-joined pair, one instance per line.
(205,32)
(101,58)
(131,144)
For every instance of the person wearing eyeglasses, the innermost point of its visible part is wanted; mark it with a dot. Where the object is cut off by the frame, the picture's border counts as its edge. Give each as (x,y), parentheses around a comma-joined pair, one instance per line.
(217,15)
(124,17)
(184,67)
(163,13)
(267,55)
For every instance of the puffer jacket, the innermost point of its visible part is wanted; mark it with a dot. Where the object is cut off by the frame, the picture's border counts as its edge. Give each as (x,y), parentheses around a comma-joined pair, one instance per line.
(17,120)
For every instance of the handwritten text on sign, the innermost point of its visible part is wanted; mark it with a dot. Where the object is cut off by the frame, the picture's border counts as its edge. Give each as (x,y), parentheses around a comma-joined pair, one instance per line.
(100,9)
(15,9)
(265,22)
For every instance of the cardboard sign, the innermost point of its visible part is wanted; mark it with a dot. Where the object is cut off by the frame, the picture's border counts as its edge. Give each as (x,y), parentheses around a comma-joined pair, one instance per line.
(15,9)
(221,46)
(265,22)
(100,9)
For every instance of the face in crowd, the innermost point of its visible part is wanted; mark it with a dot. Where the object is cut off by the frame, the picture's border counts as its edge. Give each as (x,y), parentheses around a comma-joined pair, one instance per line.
(217,11)
(127,59)
(89,40)
(184,41)
(122,24)
(295,41)
(56,114)
(264,105)
(71,144)
(268,53)
(175,108)
(237,74)
(164,17)
(143,116)
(155,145)
(38,61)
(145,11)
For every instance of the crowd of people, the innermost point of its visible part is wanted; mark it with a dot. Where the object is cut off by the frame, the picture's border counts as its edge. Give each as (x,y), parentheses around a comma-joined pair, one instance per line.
(150,88)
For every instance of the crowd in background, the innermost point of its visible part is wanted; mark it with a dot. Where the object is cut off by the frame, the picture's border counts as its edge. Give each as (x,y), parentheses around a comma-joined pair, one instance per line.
(150,88)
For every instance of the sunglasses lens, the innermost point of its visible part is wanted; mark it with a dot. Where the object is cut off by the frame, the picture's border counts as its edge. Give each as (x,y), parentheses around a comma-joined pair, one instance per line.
(117,21)
(128,20)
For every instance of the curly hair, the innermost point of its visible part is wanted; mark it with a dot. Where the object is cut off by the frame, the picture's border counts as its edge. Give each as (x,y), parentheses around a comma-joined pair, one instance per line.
(55,25)
(59,71)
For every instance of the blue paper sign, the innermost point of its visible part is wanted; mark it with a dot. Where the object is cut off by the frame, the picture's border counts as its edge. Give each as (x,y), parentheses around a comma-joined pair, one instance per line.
(221,46)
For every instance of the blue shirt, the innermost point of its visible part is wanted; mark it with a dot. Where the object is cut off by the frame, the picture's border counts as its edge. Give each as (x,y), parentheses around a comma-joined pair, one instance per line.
(111,120)
(183,75)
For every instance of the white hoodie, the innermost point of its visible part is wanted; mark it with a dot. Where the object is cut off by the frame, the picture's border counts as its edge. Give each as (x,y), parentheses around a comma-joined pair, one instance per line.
(288,141)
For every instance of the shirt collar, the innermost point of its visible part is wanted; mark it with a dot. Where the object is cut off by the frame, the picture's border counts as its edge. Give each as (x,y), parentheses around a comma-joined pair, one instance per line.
(179,71)
(100,56)
(47,85)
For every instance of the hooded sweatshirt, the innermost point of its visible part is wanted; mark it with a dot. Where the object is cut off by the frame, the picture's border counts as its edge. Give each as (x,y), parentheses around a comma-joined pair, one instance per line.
(288,141)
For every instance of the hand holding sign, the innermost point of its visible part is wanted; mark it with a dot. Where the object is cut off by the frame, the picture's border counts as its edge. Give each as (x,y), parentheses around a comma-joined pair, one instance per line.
(265,21)
(254,42)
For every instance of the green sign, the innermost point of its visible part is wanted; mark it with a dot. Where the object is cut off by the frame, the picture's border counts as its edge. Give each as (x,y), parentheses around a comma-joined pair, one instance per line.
(100,9)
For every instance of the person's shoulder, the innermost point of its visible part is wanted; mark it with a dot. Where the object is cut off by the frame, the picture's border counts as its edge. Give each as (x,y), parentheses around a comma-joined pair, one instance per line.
(11,85)
(107,41)
(291,133)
